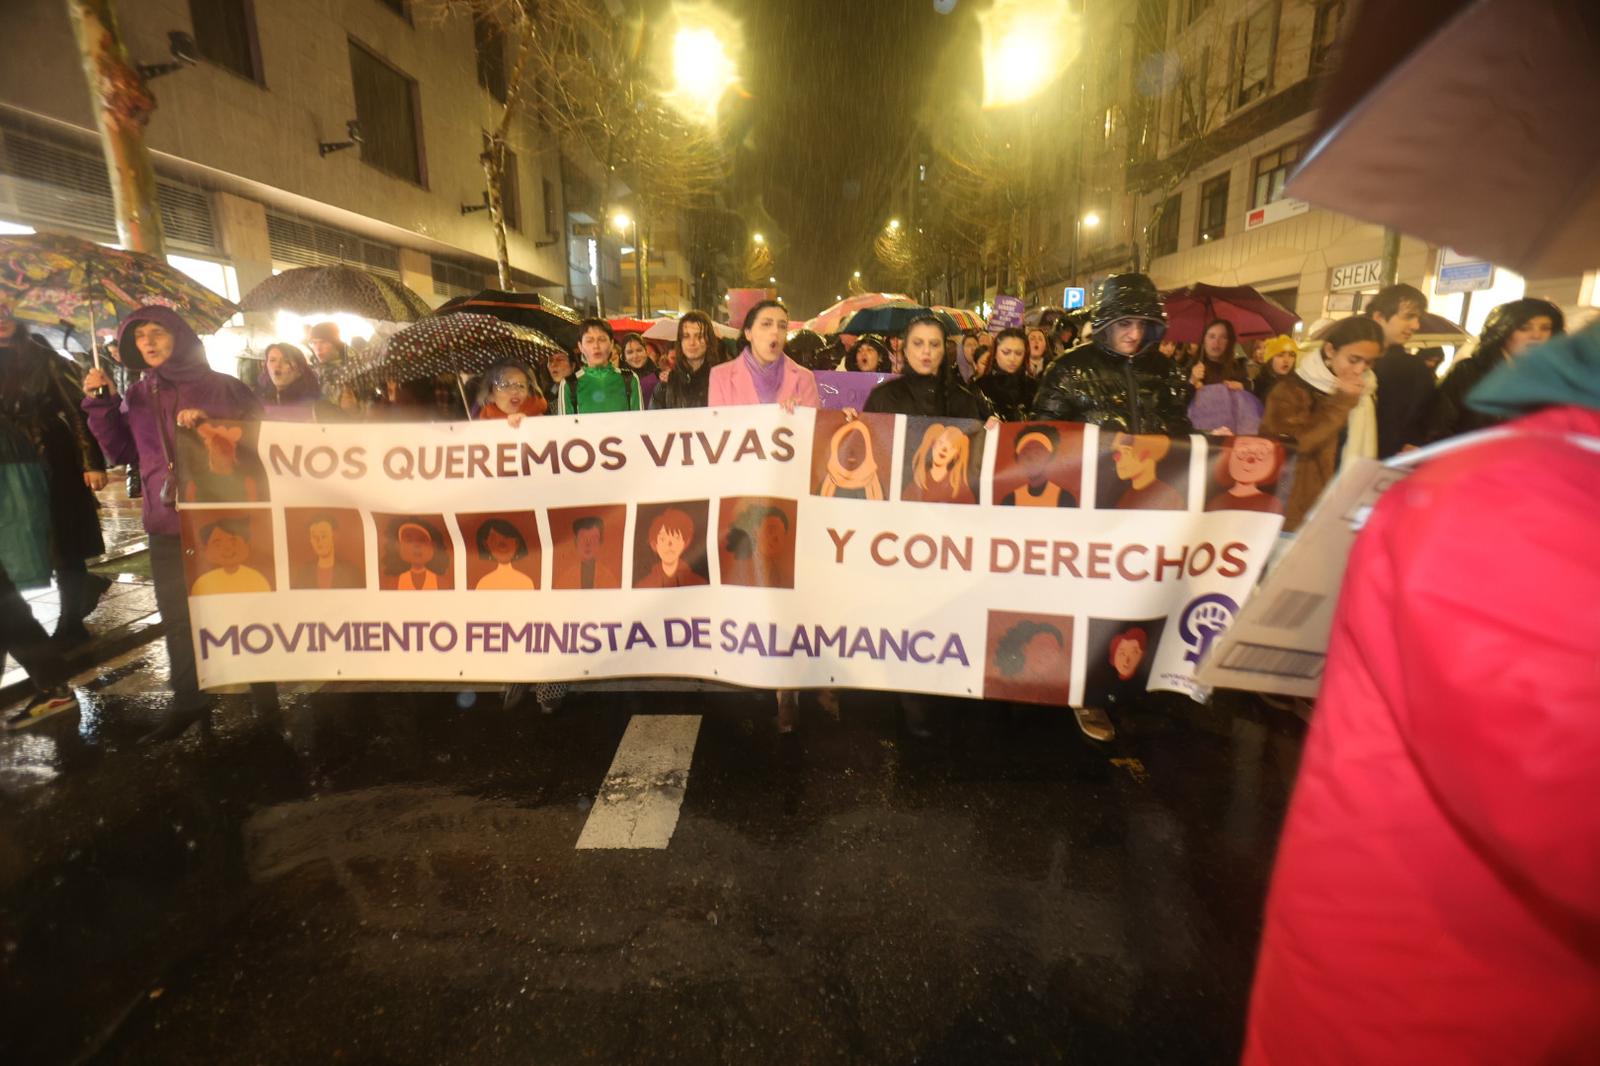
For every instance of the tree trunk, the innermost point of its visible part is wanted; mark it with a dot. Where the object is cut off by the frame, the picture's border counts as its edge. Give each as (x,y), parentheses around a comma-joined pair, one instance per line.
(122,107)
(1389,271)
(494,172)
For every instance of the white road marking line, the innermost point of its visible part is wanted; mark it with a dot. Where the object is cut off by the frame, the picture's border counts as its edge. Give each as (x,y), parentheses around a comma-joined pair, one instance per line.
(643,791)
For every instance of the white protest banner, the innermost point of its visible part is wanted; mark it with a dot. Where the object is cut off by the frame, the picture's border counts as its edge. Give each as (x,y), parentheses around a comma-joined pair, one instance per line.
(1043,562)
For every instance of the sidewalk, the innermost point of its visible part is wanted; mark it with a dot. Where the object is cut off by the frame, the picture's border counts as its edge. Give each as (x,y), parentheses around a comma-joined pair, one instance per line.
(126,616)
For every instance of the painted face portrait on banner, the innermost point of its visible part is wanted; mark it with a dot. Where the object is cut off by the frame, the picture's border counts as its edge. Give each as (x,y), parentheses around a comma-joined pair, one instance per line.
(503,551)
(855,462)
(1041,474)
(588,546)
(1147,472)
(758,542)
(325,548)
(225,547)
(1246,474)
(941,468)
(418,555)
(1029,658)
(1120,654)
(671,536)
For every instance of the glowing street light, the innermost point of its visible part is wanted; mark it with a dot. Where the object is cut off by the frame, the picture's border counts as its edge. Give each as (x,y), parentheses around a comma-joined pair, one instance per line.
(772,281)
(1022,48)
(1092,219)
(858,273)
(759,239)
(894,225)
(620,221)
(702,71)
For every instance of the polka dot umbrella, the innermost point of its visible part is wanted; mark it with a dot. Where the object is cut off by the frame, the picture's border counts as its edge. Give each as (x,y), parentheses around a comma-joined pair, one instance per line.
(327,289)
(454,344)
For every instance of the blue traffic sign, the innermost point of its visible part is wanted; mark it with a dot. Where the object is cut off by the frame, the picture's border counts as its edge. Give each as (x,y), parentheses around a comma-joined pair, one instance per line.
(1072,299)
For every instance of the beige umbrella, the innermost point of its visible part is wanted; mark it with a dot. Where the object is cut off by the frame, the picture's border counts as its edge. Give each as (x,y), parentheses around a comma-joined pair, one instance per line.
(1470,124)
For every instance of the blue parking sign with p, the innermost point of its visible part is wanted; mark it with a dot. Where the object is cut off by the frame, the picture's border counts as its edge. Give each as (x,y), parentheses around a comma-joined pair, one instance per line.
(1072,299)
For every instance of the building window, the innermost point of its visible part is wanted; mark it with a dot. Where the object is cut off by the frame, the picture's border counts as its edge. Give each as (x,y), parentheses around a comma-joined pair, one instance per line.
(1271,171)
(1166,235)
(1255,56)
(1213,223)
(548,193)
(386,107)
(1325,31)
(491,45)
(225,34)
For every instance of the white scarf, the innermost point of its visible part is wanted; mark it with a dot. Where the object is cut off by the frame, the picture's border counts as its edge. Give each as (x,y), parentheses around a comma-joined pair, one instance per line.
(1361,430)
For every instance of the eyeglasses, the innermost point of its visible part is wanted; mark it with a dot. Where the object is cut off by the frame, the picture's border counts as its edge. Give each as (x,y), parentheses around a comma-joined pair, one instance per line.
(511,386)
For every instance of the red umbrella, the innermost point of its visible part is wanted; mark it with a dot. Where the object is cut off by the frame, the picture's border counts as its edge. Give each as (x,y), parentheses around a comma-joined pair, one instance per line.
(630,325)
(1253,315)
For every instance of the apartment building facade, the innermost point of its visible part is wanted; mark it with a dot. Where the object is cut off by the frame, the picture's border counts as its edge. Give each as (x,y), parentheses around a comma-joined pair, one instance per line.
(257,165)
(1237,115)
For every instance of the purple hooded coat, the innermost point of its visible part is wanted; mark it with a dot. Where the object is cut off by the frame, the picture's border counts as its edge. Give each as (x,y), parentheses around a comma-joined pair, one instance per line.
(131,431)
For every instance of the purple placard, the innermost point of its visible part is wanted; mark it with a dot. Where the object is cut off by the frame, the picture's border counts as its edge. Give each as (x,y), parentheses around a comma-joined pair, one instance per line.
(839,389)
(1008,312)
(1218,406)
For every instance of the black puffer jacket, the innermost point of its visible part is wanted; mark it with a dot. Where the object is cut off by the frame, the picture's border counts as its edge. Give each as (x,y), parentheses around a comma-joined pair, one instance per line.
(1143,393)
(683,387)
(1140,394)
(942,395)
(1011,394)
(1448,413)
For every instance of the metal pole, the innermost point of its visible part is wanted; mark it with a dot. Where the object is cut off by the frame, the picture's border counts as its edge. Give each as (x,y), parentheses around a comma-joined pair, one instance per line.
(638,274)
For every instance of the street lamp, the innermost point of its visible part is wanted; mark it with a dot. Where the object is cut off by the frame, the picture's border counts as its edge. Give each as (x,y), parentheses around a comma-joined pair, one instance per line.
(1089,219)
(772,281)
(624,225)
(758,238)
(858,274)
(702,70)
(894,225)
(1021,42)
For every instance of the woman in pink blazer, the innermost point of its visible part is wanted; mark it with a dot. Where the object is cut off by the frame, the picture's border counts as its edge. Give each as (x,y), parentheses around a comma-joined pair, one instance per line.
(762,373)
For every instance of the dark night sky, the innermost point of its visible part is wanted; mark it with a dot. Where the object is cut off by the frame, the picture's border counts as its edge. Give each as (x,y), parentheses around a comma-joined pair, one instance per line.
(835,87)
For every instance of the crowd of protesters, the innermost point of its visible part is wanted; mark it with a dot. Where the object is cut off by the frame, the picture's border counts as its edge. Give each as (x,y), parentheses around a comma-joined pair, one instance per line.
(1354,393)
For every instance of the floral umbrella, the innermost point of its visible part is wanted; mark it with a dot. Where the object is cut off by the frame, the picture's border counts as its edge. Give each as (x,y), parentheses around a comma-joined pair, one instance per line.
(327,289)
(54,279)
(834,317)
(458,343)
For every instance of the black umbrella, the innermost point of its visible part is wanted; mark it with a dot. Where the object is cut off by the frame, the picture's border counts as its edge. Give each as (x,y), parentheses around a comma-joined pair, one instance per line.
(1469,123)
(522,309)
(326,289)
(451,344)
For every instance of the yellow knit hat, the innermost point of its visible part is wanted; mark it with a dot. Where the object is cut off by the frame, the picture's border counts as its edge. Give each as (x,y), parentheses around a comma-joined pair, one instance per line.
(1276,346)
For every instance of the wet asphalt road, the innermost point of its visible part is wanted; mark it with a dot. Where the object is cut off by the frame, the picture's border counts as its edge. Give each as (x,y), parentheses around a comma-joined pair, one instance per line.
(391,879)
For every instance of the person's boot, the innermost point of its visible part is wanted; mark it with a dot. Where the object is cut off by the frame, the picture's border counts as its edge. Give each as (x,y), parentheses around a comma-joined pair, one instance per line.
(1095,723)
(80,593)
(178,722)
(135,482)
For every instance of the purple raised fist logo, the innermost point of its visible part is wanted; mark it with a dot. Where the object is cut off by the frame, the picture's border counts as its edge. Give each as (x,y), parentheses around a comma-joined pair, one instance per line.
(1203,621)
